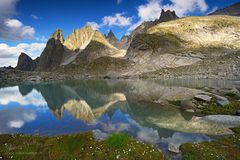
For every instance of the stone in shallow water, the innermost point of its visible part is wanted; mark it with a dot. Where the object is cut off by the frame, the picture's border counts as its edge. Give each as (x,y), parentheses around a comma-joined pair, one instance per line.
(205,98)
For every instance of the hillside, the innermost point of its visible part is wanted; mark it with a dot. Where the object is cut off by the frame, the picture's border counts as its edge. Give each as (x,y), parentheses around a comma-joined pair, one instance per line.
(233,10)
(200,46)
(184,42)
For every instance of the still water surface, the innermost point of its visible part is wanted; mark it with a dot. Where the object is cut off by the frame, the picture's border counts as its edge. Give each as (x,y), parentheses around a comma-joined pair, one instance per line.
(105,107)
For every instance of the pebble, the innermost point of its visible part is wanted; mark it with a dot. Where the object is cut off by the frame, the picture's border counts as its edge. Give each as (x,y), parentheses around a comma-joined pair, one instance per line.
(117,157)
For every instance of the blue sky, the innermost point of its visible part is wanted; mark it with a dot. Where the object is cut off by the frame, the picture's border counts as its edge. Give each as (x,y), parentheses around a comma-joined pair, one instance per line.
(25,25)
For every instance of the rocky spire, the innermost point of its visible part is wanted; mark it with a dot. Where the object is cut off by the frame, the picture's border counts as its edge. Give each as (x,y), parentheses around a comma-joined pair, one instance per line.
(111,35)
(58,35)
(167,16)
(26,63)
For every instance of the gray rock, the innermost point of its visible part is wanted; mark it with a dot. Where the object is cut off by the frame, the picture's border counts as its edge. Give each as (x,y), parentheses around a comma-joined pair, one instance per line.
(222,101)
(233,121)
(204,98)
(187,104)
(173,148)
(190,110)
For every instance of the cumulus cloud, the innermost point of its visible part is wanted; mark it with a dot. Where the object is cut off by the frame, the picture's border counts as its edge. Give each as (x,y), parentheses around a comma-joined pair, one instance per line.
(9,54)
(149,11)
(117,20)
(15,118)
(94,25)
(152,9)
(12,29)
(12,94)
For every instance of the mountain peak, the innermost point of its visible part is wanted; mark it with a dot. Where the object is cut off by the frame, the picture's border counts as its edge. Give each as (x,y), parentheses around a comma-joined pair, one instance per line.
(111,35)
(58,35)
(167,16)
(26,63)
(80,38)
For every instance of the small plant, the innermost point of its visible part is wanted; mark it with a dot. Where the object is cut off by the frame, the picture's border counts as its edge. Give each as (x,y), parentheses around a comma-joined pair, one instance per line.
(117,140)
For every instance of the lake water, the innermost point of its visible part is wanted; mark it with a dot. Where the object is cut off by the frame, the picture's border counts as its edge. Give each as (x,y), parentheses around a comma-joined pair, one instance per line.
(105,107)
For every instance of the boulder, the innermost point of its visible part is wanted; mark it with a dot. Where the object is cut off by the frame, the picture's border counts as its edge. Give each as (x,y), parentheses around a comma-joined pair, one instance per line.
(204,98)
(222,101)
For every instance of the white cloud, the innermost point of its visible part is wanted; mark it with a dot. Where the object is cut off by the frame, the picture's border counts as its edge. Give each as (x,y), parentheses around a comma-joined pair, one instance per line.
(14,118)
(94,25)
(13,23)
(9,54)
(34,16)
(184,7)
(12,29)
(117,20)
(12,94)
(152,9)
(16,124)
(119,1)
(149,11)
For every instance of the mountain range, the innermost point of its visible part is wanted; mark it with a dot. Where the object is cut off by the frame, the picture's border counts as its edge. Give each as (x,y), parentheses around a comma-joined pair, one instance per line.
(168,46)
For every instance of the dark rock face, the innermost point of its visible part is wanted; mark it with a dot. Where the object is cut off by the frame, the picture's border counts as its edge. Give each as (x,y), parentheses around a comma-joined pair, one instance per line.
(126,41)
(26,63)
(112,39)
(120,44)
(164,17)
(111,36)
(233,10)
(167,16)
(52,55)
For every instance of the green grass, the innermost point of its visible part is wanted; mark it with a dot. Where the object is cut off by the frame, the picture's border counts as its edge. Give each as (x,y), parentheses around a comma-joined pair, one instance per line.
(226,148)
(80,146)
(117,140)
(155,41)
(213,108)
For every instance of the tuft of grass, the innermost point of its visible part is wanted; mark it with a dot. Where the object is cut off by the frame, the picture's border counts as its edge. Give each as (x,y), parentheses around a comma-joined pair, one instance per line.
(117,140)
(156,41)
(226,148)
(80,146)
(213,108)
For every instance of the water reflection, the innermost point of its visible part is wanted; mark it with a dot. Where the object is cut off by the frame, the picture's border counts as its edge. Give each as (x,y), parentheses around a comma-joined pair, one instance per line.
(138,107)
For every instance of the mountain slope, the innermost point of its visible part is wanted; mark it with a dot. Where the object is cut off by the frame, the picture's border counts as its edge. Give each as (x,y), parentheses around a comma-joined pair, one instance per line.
(233,10)
(79,39)
(165,16)
(98,47)
(184,42)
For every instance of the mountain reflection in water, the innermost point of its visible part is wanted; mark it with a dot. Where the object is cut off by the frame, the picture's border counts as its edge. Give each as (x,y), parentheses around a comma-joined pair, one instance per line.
(105,107)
